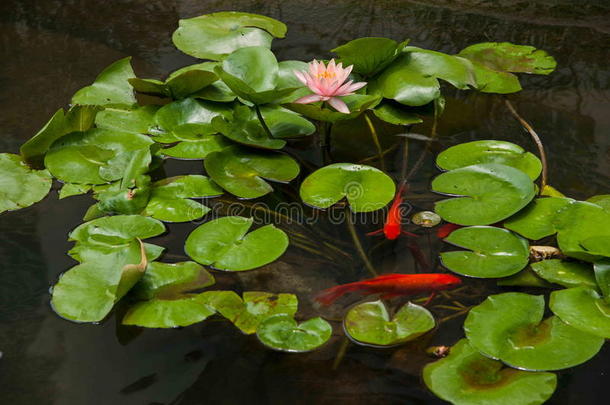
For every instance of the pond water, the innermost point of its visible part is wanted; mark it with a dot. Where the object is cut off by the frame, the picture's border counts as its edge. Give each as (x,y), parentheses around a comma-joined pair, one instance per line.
(51,48)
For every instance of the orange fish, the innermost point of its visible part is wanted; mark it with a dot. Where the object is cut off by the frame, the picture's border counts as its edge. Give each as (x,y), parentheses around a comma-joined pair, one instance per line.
(392,227)
(394,285)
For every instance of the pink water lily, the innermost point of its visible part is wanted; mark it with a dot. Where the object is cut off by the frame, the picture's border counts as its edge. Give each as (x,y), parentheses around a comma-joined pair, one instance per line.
(328,84)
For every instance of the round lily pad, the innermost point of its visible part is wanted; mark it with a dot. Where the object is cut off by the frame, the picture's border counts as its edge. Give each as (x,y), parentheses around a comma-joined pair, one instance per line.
(241,171)
(537,220)
(21,186)
(583,308)
(466,377)
(223,244)
(509,327)
(116,230)
(370,324)
(567,274)
(215,35)
(491,192)
(281,332)
(494,252)
(490,151)
(365,188)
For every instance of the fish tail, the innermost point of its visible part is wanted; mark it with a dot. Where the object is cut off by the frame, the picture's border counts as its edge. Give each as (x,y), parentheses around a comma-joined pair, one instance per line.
(330,295)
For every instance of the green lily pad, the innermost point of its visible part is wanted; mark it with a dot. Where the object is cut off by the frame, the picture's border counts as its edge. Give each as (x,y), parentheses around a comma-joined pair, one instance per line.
(111,87)
(71,189)
(368,55)
(223,244)
(494,252)
(525,278)
(187,119)
(247,313)
(356,103)
(537,220)
(490,151)
(370,324)
(509,327)
(602,277)
(21,186)
(170,198)
(603,200)
(137,121)
(179,84)
(77,119)
(281,332)
(168,302)
(213,36)
(396,114)
(197,149)
(567,274)
(584,309)
(245,128)
(491,192)
(465,377)
(284,123)
(117,230)
(365,188)
(242,172)
(580,229)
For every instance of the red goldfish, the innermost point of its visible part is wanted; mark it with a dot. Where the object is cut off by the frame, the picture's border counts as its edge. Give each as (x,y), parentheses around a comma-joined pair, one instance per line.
(394,285)
(392,227)
(445,230)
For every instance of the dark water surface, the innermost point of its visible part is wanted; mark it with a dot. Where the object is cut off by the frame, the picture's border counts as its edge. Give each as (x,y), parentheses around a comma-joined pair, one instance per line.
(51,48)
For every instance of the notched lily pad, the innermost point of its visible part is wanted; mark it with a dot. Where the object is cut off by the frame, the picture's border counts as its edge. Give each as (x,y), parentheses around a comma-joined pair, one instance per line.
(223,244)
(245,128)
(537,220)
(365,188)
(281,332)
(490,193)
(584,309)
(370,323)
(21,186)
(466,377)
(368,55)
(494,252)
(567,274)
(583,230)
(117,230)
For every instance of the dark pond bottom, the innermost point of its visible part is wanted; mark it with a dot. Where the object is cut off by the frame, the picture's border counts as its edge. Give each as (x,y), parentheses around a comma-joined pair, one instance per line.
(50,48)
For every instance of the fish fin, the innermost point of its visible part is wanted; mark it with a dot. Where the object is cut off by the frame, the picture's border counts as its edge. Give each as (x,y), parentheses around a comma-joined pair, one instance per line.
(330,295)
(377,232)
(409,234)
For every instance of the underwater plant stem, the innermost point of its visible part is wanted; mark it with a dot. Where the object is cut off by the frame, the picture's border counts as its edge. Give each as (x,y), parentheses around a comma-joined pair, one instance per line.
(535,138)
(341,353)
(262,121)
(405,159)
(375,140)
(325,142)
(432,137)
(457,314)
(358,244)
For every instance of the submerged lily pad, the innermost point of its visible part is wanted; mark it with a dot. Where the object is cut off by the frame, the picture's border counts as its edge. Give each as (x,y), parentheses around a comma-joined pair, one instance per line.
(370,324)
(365,188)
(168,301)
(170,198)
(583,230)
(21,186)
(281,332)
(509,327)
(223,244)
(466,377)
(567,274)
(111,87)
(537,220)
(491,192)
(494,252)
(584,309)
(215,35)
(242,171)
(490,151)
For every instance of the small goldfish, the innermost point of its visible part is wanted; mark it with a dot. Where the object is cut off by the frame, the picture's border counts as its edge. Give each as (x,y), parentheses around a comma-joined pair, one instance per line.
(445,230)
(394,285)
(392,227)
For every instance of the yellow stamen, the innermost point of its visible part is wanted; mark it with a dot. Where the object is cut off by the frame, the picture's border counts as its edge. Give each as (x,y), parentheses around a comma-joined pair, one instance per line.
(326,75)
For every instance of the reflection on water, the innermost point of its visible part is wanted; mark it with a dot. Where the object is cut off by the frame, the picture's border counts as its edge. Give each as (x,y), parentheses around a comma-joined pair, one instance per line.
(50,48)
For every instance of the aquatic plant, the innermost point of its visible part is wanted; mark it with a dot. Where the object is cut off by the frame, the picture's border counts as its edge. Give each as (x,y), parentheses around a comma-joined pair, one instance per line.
(238,110)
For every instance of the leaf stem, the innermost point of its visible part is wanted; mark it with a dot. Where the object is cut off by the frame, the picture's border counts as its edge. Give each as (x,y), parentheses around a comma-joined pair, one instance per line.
(535,138)
(375,140)
(358,244)
(341,353)
(433,134)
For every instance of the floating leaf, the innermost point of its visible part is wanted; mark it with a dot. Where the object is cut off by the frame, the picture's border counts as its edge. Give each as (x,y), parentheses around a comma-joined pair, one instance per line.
(170,198)
(117,230)
(602,277)
(537,220)
(168,302)
(197,149)
(489,151)
(223,244)
(396,114)
(256,306)
(368,55)
(241,171)
(245,128)
(188,119)
(579,223)
(71,189)
(370,324)
(525,278)
(181,83)
(495,252)
(356,103)
(21,186)
(602,200)
(466,377)
(137,121)
(509,327)
(584,309)
(284,123)
(213,36)
(492,192)
(281,332)
(567,274)
(365,188)
(111,87)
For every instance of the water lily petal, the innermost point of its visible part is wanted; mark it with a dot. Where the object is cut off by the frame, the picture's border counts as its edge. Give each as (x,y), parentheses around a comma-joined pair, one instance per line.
(338,105)
(301,76)
(312,98)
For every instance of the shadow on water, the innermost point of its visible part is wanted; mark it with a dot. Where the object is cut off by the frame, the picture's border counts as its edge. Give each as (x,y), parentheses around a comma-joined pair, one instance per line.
(51,48)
